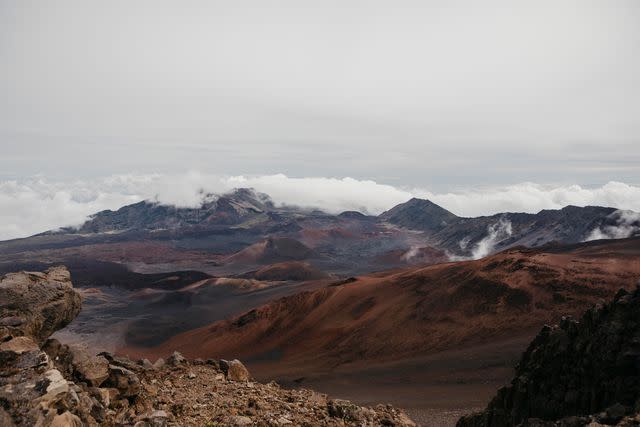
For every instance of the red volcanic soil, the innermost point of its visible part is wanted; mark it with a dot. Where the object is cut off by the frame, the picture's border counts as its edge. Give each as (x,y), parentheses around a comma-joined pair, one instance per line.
(437,341)
(315,236)
(418,311)
(151,252)
(273,249)
(292,270)
(414,255)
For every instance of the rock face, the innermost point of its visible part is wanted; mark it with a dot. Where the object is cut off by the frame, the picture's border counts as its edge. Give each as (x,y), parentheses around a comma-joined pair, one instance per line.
(51,384)
(37,381)
(36,304)
(576,373)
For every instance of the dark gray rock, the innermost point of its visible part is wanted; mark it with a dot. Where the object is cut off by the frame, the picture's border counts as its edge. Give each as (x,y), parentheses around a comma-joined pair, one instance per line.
(574,370)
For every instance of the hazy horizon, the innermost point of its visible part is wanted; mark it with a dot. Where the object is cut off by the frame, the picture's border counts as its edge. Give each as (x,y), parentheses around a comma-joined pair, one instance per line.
(483,107)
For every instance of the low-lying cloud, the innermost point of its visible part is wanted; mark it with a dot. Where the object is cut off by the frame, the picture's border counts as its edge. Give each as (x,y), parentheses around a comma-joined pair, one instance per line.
(38,204)
(627,224)
(495,233)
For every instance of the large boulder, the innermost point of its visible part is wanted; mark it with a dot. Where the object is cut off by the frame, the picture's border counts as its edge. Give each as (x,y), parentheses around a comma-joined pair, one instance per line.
(32,307)
(36,304)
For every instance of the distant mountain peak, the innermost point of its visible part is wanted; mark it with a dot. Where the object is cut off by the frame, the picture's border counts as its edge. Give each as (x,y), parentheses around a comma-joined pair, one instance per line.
(424,203)
(244,200)
(247,194)
(229,208)
(419,214)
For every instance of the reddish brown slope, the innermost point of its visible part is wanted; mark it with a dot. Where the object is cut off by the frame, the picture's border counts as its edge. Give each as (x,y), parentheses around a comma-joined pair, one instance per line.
(420,311)
(292,270)
(271,250)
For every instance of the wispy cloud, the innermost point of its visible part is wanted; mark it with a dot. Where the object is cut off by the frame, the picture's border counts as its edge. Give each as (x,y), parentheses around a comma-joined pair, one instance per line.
(495,233)
(625,224)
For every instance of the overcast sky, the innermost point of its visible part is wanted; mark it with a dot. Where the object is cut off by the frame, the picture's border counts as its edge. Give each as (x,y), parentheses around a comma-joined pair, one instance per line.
(482,107)
(440,94)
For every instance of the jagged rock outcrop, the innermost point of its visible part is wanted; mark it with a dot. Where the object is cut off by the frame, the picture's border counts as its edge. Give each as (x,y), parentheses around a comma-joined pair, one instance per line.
(36,304)
(197,393)
(51,384)
(576,373)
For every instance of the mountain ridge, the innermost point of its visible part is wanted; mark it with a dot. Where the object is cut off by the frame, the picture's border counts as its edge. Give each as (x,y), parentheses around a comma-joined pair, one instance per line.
(461,236)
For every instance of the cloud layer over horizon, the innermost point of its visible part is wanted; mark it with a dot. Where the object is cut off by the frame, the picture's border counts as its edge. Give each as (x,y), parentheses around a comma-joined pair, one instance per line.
(38,204)
(444,93)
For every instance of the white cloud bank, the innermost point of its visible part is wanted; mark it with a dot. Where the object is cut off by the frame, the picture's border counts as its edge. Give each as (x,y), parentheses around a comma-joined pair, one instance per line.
(34,205)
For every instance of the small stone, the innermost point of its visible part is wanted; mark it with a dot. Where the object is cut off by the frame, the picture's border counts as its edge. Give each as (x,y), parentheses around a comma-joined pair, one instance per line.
(284,421)
(613,414)
(11,321)
(235,370)
(52,347)
(239,421)
(159,363)
(57,385)
(19,345)
(317,398)
(93,369)
(191,375)
(104,397)
(124,380)
(66,419)
(113,393)
(146,364)
(159,414)
(151,389)
(5,418)
(176,359)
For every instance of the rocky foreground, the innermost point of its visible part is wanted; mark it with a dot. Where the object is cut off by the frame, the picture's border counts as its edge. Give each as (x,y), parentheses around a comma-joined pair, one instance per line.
(584,373)
(46,383)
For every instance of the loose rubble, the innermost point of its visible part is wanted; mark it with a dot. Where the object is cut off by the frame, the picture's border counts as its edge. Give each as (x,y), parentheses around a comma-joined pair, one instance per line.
(46,383)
